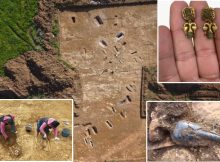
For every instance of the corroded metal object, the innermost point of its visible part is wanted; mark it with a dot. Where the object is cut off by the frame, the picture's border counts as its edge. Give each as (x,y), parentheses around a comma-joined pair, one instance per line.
(191,134)
(208,15)
(190,26)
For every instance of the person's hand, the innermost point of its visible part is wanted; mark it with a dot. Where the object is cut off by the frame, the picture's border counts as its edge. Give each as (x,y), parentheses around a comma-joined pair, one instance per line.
(57,138)
(179,59)
(45,136)
(6,138)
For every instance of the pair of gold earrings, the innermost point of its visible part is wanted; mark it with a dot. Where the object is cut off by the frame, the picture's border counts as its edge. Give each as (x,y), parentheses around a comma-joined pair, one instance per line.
(208,15)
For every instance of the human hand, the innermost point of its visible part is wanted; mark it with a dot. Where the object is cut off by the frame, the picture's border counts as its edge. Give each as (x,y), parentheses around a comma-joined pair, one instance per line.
(45,136)
(57,138)
(179,59)
(6,138)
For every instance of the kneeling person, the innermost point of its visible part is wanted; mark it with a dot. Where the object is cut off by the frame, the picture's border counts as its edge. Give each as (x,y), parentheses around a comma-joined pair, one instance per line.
(7,120)
(45,124)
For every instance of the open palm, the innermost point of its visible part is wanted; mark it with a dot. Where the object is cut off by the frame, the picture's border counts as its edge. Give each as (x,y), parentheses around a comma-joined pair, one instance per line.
(181,60)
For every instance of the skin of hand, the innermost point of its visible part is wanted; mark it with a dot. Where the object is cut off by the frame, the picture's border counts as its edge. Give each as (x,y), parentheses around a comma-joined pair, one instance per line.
(45,136)
(181,60)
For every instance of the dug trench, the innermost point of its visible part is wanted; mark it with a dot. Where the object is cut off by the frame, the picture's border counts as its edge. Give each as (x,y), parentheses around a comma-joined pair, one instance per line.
(162,119)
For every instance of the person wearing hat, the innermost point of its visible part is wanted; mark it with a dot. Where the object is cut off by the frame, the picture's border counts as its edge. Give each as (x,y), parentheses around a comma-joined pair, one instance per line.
(7,120)
(45,124)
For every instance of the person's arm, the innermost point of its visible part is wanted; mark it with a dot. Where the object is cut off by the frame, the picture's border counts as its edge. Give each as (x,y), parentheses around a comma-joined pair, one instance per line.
(42,127)
(55,130)
(2,125)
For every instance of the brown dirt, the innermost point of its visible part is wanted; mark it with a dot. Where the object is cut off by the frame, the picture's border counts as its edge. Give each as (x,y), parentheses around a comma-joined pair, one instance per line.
(27,144)
(111,78)
(154,91)
(35,74)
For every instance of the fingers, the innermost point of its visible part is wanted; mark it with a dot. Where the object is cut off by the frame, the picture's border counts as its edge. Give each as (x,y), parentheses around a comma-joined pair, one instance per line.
(167,66)
(183,47)
(207,60)
(217,38)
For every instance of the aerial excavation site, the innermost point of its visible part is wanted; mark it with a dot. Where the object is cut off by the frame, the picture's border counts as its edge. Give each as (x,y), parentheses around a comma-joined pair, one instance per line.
(101,54)
(92,51)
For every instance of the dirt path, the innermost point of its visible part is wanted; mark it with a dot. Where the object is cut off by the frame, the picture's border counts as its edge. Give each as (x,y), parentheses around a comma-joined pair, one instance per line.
(33,148)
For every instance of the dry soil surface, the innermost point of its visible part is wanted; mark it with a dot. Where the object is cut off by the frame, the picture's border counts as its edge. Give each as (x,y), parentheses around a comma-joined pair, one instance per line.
(28,145)
(109,46)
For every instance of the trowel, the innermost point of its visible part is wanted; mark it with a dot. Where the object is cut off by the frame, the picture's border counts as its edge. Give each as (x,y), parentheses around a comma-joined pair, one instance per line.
(191,134)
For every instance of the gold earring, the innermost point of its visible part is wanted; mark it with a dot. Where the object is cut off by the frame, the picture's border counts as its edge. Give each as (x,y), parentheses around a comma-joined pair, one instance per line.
(209,28)
(190,26)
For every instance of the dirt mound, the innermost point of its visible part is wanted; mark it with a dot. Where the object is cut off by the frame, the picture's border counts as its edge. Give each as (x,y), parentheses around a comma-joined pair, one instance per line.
(38,73)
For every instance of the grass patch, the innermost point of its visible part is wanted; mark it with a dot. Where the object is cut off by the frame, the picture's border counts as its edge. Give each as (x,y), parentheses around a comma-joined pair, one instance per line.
(66,63)
(17,30)
(38,96)
(55,27)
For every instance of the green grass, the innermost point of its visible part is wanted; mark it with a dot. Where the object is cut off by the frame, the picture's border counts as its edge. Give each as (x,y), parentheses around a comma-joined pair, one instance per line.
(55,27)
(38,96)
(17,30)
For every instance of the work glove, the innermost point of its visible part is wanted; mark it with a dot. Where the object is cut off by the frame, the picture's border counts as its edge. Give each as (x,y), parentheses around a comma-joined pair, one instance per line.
(56,138)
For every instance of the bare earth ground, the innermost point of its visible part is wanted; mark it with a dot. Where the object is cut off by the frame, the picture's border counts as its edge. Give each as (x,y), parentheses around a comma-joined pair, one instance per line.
(31,147)
(206,114)
(108,124)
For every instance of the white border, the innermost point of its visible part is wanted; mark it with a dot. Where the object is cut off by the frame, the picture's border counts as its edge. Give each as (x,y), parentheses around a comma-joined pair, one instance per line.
(165,102)
(47,100)
(158,1)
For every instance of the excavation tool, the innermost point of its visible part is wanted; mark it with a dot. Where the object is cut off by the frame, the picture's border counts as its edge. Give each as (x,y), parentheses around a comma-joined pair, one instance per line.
(191,134)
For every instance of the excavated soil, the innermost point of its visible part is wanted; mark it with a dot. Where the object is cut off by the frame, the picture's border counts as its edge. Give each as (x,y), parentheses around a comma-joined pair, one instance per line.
(204,113)
(27,146)
(108,47)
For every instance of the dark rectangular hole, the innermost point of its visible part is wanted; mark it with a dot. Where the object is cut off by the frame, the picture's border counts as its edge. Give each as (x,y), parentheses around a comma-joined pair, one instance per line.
(103,43)
(109,124)
(113,109)
(123,101)
(128,89)
(116,49)
(86,141)
(89,132)
(86,124)
(73,19)
(99,20)
(122,115)
(95,131)
(129,98)
(120,35)
(134,52)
